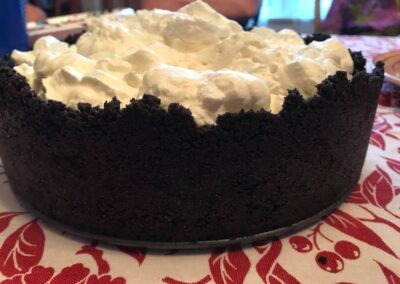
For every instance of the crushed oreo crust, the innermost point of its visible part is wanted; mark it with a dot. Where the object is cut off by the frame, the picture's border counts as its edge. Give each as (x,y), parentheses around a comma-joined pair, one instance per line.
(145,173)
(358,60)
(6,61)
(72,39)
(316,37)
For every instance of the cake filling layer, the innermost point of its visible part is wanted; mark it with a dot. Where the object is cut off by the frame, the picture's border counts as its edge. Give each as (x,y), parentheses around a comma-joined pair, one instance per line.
(195,57)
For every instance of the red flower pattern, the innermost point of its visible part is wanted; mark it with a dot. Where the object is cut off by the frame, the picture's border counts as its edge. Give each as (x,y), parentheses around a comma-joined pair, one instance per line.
(170,280)
(377,140)
(39,275)
(5,219)
(268,267)
(378,179)
(394,165)
(97,255)
(76,274)
(229,265)
(356,229)
(377,189)
(105,279)
(382,125)
(22,251)
(391,277)
(137,253)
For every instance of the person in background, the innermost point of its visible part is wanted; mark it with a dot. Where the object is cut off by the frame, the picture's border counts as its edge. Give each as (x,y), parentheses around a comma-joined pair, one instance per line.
(12,26)
(240,10)
(363,17)
(34,14)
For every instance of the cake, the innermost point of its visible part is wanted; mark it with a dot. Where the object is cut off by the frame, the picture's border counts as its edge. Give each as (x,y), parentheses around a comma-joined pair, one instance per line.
(143,131)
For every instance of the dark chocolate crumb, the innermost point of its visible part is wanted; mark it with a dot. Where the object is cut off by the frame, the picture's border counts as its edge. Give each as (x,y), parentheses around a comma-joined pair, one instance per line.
(316,37)
(143,173)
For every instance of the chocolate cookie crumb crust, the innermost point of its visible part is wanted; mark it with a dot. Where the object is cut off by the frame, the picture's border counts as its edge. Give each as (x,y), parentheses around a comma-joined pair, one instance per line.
(147,174)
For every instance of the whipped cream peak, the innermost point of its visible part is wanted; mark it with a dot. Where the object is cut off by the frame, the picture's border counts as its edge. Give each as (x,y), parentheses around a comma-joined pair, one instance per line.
(194,56)
(209,93)
(201,10)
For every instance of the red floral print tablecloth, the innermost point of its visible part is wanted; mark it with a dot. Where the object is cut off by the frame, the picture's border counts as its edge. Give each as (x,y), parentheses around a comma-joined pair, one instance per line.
(358,243)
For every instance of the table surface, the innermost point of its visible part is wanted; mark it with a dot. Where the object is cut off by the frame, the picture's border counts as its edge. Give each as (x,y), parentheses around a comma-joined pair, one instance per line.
(358,243)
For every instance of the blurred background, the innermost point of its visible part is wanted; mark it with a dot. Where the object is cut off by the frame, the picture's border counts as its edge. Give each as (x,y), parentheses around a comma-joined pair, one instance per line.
(299,15)
(336,16)
(64,17)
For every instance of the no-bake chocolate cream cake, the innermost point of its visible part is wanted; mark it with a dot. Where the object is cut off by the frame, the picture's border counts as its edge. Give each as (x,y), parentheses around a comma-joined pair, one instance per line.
(181,127)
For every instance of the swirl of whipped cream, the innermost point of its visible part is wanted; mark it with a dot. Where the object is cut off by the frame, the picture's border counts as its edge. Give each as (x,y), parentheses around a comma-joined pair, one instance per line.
(194,56)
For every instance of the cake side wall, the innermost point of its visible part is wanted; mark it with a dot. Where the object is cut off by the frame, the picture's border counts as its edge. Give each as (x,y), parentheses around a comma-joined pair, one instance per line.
(148,174)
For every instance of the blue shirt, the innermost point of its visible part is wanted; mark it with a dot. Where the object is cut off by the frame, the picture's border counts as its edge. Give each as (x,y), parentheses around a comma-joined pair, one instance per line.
(12,26)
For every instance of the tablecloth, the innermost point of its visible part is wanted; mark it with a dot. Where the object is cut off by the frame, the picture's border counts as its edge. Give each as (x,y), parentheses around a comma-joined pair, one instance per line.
(357,243)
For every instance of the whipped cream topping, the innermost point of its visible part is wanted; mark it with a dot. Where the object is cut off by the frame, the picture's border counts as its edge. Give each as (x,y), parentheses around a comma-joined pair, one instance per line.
(195,57)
